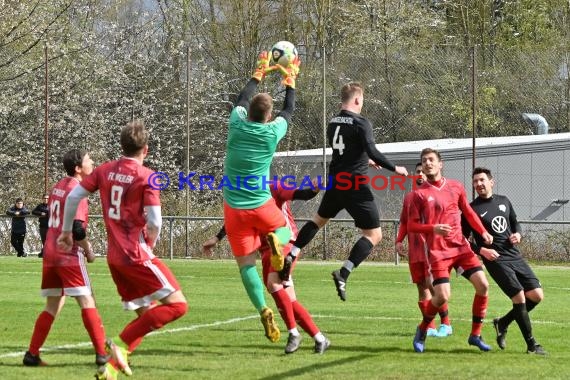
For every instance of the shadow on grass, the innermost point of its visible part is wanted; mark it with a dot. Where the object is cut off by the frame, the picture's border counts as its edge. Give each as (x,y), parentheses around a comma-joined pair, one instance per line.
(313,367)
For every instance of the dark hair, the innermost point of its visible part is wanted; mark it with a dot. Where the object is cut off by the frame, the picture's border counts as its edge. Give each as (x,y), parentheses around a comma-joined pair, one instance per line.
(480,170)
(134,137)
(349,90)
(71,159)
(427,151)
(418,164)
(261,106)
(19,200)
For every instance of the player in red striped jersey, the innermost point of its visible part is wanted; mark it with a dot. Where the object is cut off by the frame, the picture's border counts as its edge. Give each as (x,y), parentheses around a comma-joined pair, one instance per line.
(435,212)
(65,273)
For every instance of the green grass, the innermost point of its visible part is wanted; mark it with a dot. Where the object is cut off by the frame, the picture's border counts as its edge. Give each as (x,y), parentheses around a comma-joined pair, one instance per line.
(222,338)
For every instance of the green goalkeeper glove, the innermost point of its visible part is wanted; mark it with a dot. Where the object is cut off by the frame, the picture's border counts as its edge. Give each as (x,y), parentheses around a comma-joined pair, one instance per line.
(290,72)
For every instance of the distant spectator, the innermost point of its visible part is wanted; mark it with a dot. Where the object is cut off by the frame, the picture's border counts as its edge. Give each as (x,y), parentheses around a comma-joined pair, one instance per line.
(18,212)
(42,212)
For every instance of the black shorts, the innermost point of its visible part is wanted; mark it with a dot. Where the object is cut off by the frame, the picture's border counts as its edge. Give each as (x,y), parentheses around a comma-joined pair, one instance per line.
(512,276)
(358,203)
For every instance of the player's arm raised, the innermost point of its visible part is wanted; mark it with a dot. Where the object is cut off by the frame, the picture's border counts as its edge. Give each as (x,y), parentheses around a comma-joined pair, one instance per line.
(377,156)
(473,219)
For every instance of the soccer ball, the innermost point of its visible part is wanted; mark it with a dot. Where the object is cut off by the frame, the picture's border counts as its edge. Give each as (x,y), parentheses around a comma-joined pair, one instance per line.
(283,52)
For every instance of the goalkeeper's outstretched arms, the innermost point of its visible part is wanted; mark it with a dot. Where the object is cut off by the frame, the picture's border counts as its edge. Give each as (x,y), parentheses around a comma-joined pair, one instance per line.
(259,73)
(290,74)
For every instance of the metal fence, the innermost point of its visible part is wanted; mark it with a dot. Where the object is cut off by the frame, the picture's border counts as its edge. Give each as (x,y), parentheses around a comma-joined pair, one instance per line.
(182,237)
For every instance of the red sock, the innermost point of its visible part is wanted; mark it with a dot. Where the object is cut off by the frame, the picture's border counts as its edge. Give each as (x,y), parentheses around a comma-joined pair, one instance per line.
(41,331)
(479,312)
(443,314)
(153,319)
(429,314)
(423,305)
(285,307)
(94,326)
(304,318)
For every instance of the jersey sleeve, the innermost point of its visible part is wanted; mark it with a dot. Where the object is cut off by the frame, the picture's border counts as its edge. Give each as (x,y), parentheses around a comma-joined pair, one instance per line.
(513,221)
(403,229)
(470,215)
(151,197)
(91,182)
(414,217)
(279,127)
(281,194)
(370,146)
(82,212)
(237,115)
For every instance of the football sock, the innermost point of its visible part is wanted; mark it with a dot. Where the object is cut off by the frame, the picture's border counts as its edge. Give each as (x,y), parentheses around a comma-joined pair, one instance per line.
(152,319)
(358,254)
(283,234)
(423,305)
(479,310)
(307,233)
(523,320)
(506,320)
(319,337)
(429,314)
(444,314)
(41,331)
(253,286)
(304,319)
(95,329)
(530,304)
(285,308)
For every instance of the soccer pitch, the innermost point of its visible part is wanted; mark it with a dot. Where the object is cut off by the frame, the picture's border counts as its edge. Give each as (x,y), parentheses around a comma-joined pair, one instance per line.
(221,336)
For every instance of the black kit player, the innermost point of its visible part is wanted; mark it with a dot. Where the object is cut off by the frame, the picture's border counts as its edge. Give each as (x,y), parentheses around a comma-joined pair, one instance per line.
(354,149)
(503,259)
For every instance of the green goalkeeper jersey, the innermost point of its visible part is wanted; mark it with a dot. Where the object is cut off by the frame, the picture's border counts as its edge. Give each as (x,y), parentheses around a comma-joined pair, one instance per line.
(249,152)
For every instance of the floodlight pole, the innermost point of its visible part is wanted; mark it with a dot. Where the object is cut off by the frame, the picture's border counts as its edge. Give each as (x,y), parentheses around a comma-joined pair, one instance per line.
(46,119)
(325,142)
(474,109)
(187,142)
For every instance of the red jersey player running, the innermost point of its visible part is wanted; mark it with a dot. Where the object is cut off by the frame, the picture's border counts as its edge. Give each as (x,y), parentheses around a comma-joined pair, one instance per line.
(436,213)
(131,210)
(417,261)
(64,273)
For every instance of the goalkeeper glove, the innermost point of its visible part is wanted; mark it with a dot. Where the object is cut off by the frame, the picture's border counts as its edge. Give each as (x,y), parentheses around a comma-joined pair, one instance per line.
(262,66)
(290,72)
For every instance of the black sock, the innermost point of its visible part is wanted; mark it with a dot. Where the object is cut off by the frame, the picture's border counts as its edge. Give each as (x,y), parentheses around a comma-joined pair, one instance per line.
(530,305)
(306,234)
(358,254)
(506,320)
(523,320)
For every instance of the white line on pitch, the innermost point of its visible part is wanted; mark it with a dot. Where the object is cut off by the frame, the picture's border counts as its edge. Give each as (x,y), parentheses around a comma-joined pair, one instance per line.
(166,331)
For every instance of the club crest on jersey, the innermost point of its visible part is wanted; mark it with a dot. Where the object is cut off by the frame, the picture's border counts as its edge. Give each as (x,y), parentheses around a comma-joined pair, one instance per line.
(503,208)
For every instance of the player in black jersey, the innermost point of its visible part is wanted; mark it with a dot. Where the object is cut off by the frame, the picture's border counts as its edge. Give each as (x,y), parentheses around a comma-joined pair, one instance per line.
(503,259)
(354,149)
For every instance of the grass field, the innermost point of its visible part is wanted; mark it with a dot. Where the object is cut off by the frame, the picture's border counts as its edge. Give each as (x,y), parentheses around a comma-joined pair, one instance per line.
(222,338)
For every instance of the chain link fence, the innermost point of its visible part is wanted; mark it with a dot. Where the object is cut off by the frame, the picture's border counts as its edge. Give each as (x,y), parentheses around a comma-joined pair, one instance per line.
(182,237)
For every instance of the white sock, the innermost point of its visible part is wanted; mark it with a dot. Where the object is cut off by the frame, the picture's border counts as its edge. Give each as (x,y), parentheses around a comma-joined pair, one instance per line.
(294,331)
(319,337)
